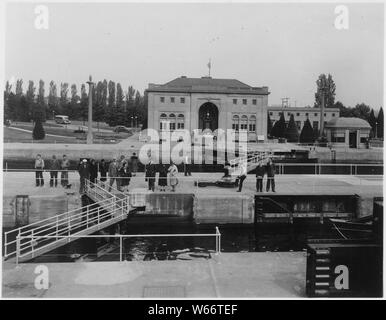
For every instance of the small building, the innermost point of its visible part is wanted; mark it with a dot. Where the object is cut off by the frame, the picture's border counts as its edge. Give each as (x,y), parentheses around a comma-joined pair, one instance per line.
(301,114)
(348,132)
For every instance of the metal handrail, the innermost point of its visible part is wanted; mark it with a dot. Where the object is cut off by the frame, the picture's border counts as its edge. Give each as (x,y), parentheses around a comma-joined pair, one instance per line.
(111,205)
(217,236)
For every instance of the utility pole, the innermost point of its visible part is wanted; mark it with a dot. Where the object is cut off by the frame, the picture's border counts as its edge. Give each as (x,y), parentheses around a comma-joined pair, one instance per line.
(89,131)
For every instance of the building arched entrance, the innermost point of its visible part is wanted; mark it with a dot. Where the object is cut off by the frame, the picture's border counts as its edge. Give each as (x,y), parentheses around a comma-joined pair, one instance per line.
(208,116)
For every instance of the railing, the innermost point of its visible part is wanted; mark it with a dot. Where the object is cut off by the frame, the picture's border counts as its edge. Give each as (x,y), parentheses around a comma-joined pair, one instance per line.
(109,208)
(250,159)
(121,237)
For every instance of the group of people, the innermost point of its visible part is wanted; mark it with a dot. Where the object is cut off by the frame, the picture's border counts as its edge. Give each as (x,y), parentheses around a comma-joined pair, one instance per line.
(119,171)
(163,172)
(55,165)
(261,170)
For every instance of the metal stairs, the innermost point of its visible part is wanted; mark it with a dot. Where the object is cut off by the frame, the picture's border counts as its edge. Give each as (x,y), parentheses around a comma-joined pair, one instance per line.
(32,240)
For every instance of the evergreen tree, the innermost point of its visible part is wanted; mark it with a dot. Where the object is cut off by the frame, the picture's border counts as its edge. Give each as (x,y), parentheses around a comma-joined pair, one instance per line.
(110,117)
(380,124)
(279,128)
(63,101)
(291,133)
(83,103)
(53,100)
(269,125)
(373,123)
(307,133)
(38,132)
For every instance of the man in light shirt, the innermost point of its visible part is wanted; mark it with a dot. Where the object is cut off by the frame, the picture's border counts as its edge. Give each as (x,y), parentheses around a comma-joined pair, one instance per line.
(242,176)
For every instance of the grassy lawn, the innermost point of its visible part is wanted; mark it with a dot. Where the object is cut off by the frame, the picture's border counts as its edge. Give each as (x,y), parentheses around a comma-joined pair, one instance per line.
(67,134)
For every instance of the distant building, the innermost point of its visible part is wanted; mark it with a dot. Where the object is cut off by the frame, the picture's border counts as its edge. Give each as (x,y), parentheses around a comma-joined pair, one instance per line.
(301,114)
(348,132)
(208,103)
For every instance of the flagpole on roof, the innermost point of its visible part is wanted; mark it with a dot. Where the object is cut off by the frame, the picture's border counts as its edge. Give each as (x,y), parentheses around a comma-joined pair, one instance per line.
(209,65)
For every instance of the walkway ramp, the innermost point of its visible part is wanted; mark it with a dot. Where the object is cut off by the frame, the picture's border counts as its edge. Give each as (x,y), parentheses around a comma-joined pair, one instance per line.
(35,239)
(251,159)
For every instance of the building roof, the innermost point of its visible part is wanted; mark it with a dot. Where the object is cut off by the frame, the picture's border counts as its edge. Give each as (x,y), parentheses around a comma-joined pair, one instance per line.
(306,109)
(207,84)
(348,123)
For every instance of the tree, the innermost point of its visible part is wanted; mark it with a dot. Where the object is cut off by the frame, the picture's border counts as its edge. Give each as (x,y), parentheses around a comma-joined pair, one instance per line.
(380,124)
(53,99)
(269,126)
(8,108)
(110,117)
(30,98)
(63,101)
(307,133)
(361,111)
(38,132)
(39,108)
(373,123)
(278,130)
(98,107)
(291,133)
(74,106)
(328,84)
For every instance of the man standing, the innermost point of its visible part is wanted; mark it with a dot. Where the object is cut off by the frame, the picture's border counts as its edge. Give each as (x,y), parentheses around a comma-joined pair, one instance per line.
(84,173)
(103,170)
(150,174)
(187,169)
(134,164)
(259,177)
(39,167)
(113,172)
(242,176)
(55,166)
(270,175)
(64,175)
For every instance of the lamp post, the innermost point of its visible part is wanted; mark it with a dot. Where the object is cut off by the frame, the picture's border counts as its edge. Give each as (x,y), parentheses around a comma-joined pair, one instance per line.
(136,122)
(89,131)
(132,122)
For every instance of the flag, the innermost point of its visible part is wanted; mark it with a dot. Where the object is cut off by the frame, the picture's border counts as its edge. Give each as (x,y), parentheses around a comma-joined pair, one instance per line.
(209,64)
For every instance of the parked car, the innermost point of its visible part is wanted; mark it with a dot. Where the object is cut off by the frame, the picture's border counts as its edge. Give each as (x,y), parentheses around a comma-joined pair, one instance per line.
(122,129)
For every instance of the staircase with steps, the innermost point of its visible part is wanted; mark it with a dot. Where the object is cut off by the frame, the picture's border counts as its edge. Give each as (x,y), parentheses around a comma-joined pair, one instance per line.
(32,240)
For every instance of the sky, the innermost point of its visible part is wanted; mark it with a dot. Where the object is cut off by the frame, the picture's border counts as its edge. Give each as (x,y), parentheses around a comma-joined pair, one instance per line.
(282,46)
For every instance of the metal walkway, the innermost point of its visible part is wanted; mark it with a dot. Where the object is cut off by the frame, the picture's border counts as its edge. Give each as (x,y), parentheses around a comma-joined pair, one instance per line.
(51,233)
(252,159)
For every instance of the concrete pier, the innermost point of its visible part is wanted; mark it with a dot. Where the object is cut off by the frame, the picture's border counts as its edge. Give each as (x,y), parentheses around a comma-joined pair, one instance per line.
(241,275)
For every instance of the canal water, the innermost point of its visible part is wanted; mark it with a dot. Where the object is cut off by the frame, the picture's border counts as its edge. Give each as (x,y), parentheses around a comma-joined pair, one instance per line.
(234,238)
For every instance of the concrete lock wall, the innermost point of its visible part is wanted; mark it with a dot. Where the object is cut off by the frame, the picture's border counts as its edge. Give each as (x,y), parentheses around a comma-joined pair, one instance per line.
(223,209)
(172,204)
(41,207)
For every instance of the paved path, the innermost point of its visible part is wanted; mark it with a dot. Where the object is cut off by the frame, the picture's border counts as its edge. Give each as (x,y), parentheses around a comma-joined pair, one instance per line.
(244,275)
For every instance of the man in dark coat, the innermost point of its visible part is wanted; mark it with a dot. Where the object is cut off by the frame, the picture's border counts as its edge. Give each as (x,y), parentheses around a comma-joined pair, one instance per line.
(260,170)
(270,175)
(84,173)
(150,175)
(103,170)
(93,171)
(55,166)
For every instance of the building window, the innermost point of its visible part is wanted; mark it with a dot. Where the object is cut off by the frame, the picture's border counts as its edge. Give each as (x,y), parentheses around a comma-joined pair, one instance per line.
(235,123)
(172,99)
(307,114)
(252,124)
(364,140)
(172,119)
(234,101)
(244,123)
(297,114)
(182,100)
(288,113)
(298,124)
(271,113)
(315,114)
(315,125)
(180,121)
(244,101)
(325,114)
(254,102)
(162,99)
(163,121)
(333,114)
